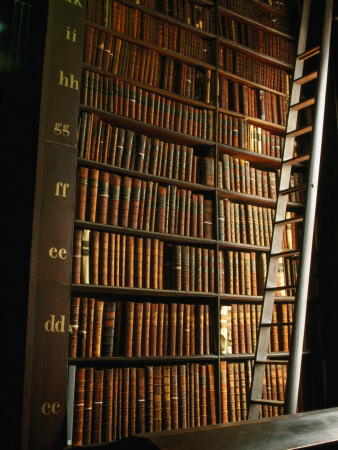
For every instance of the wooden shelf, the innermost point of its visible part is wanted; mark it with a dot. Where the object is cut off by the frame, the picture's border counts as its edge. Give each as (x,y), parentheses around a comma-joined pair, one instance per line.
(161,50)
(249,83)
(148,87)
(145,176)
(228,12)
(150,234)
(255,120)
(146,128)
(130,360)
(255,54)
(257,158)
(115,290)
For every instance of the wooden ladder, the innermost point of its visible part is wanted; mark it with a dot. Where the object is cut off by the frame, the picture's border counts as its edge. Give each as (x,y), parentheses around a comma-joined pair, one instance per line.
(281,218)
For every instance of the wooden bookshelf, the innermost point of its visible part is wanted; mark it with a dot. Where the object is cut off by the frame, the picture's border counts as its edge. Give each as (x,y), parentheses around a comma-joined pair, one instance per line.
(137,140)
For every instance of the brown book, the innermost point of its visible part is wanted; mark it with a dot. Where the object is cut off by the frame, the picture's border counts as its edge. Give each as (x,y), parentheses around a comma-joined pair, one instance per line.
(114,199)
(129,308)
(149,399)
(182,395)
(125,201)
(77,256)
(92,191)
(137,331)
(203,394)
(211,402)
(134,202)
(132,401)
(141,400)
(74,326)
(160,330)
(94,248)
(146,328)
(108,328)
(97,327)
(90,327)
(81,193)
(79,396)
(172,329)
(153,329)
(107,412)
(97,406)
(180,329)
(224,392)
(88,405)
(103,258)
(157,386)
(125,402)
(102,197)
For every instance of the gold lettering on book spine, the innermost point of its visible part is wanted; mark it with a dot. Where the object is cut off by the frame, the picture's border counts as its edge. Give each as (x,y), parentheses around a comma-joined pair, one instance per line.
(68,81)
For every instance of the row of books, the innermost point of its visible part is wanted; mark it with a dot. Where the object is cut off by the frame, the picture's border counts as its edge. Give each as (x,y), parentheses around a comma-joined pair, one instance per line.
(145,65)
(250,10)
(252,102)
(251,224)
(129,328)
(239,175)
(115,403)
(123,201)
(186,11)
(239,325)
(112,259)
(243,273)
(237,132)
(256,39)
(235,384)
(245,223)
(242,65)
(142,26)
(102,142)
(125,99)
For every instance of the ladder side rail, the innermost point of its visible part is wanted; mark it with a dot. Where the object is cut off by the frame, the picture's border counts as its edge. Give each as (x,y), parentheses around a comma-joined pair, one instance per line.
(267,307)
(311,200)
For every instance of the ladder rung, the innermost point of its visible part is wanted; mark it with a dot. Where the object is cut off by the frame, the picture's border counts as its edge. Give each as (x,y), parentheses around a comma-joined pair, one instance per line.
(285,253)
(273,361)
(304,79)
(303,104)
(300,131)
(280,288)
(309,53)
(292,220)
(275,324)
(264,401)
(296,160)
(299,187)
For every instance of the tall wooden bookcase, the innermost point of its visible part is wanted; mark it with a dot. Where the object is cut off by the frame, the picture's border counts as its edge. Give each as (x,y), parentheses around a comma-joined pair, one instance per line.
(66,171)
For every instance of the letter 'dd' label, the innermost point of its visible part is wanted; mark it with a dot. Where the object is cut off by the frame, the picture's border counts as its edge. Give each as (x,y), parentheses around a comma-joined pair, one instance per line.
(55,326)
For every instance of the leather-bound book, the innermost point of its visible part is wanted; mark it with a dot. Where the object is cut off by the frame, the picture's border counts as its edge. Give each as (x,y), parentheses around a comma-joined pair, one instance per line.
(157,386)
(97,406)
(224,393)
(149,399)
(172,329)
(107,413)
(182,395)
(141,400)
(153,329)
(77,257)
(137,331)
(92,191)
(94,246)
(78,406)
(103,258)
(125,402)
(88,405)
(90,327)
(118,326)
(129,309)
(146,328)
(186,330)
(130,260)
(160,330)
(134,202)
(85,254)
(174,397)
(132,401)
(102,197)
(180,329)
(125,201)
(203,394)
(74,326)
(114,198)
(81,193)
(108,328)
(97,328)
